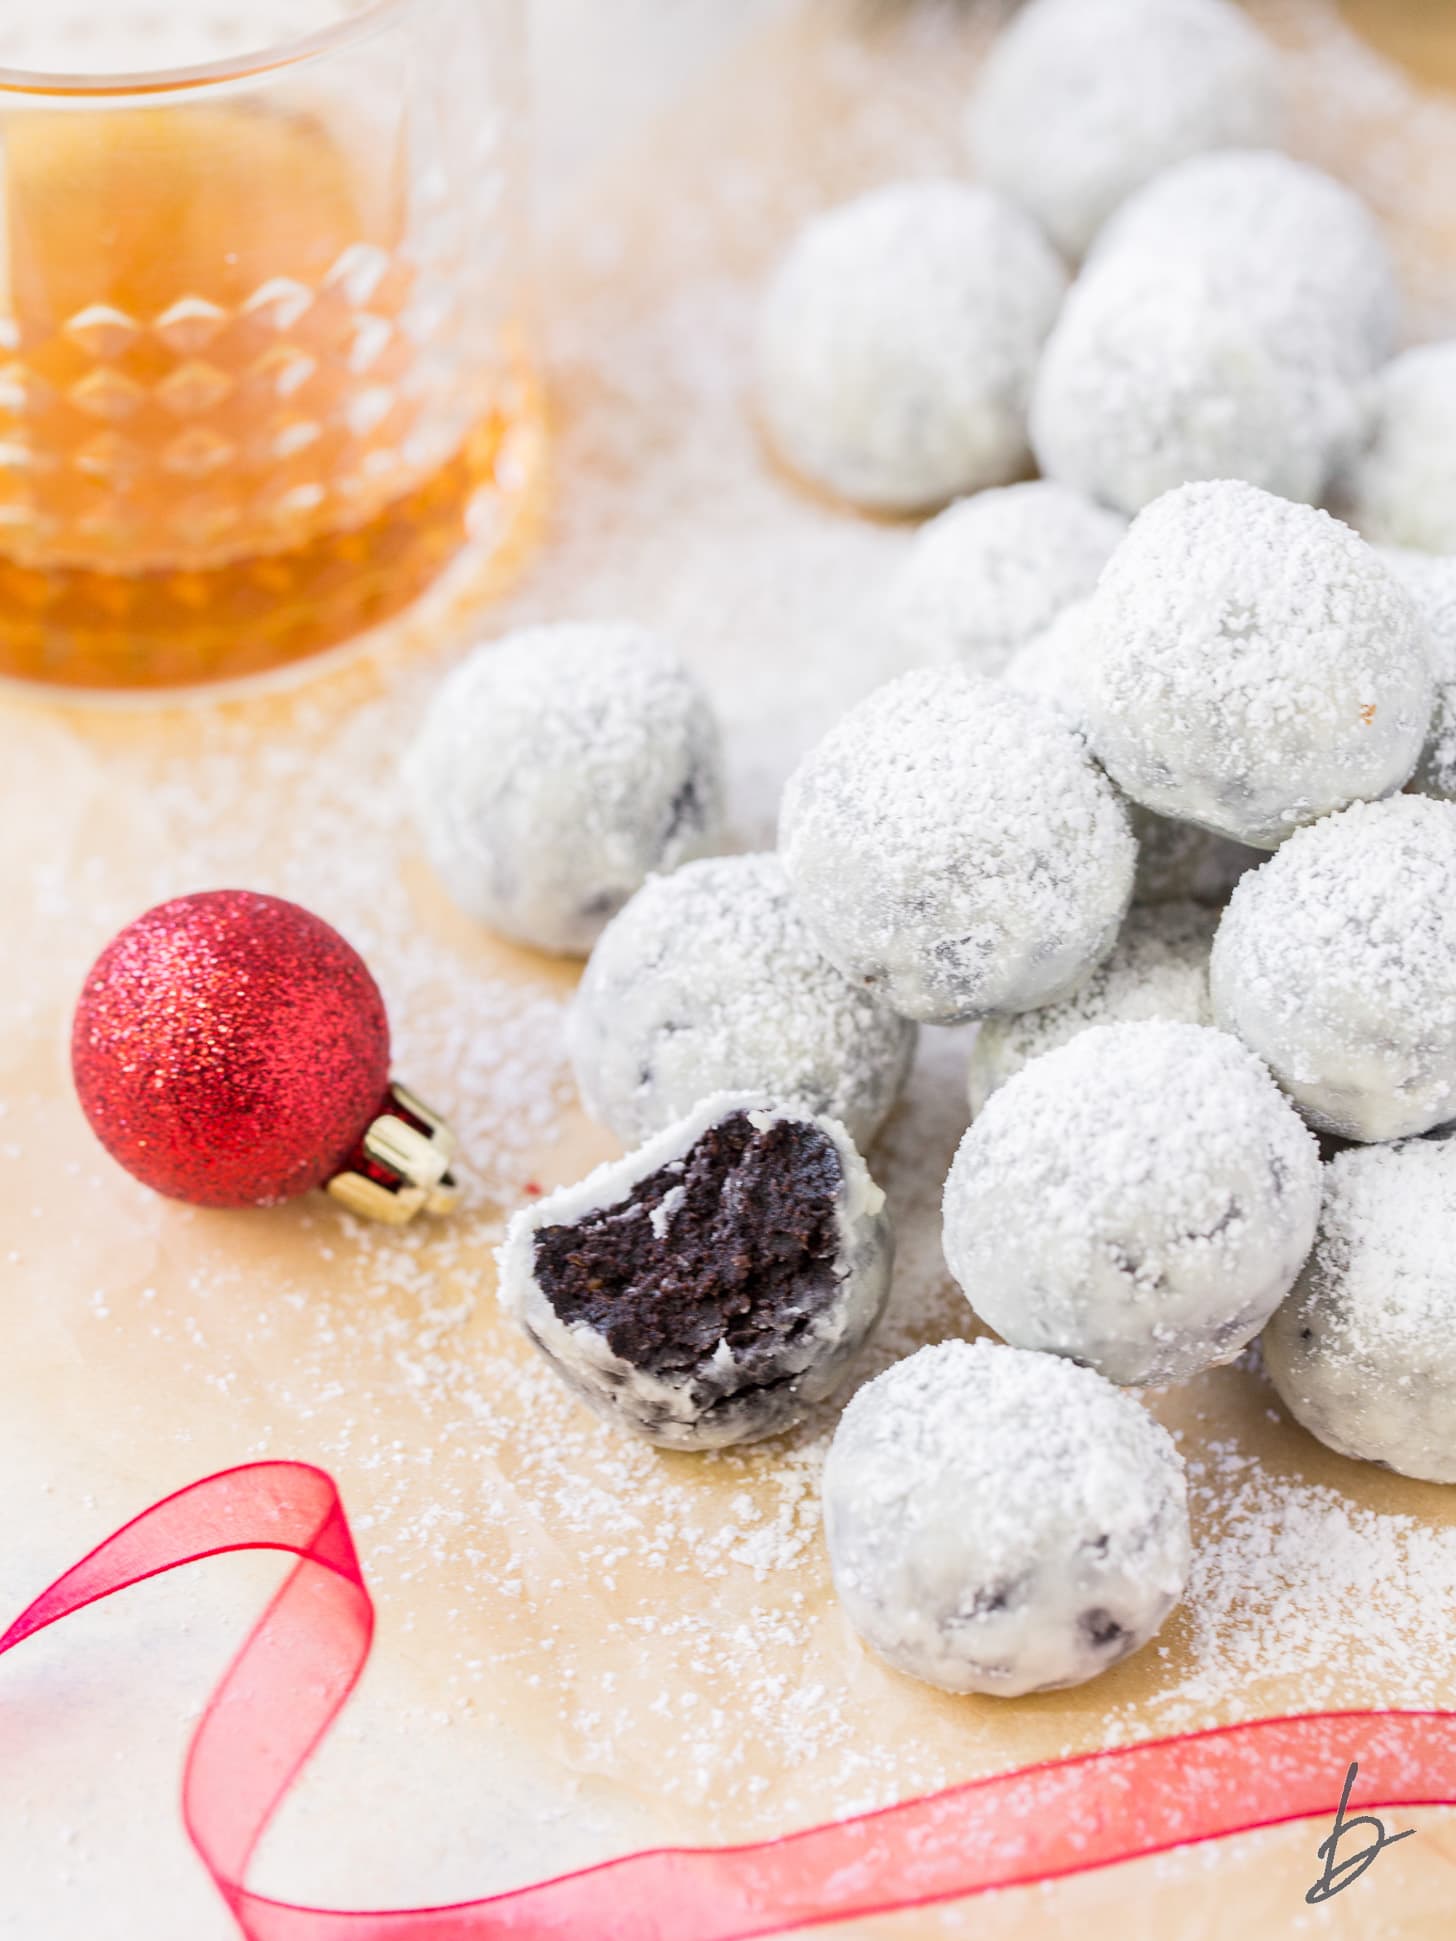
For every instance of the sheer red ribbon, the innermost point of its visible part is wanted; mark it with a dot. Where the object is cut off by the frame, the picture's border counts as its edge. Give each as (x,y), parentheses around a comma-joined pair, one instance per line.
(301,1660)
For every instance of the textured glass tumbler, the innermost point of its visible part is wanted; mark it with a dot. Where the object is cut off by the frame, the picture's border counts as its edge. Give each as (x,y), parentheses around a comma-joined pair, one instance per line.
(264,358)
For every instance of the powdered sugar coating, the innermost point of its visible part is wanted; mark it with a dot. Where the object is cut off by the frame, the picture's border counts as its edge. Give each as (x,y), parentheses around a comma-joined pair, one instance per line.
(954,849)
(709,981)
(1003,1522)
(1430,580)
(1140,1199)
(897,343)
(1363,1352)
(1402,487)
(1287,243)
(1157,373)
(1159,969)
(736,1394)
(1336,962)
(1081,101)
(555,770)
(1222,328)
(994,570)
(1177,861)
(1052,663)
(1253,664)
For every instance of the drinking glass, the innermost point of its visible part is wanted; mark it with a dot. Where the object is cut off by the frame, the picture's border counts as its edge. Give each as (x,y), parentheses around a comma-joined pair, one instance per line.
(265,364)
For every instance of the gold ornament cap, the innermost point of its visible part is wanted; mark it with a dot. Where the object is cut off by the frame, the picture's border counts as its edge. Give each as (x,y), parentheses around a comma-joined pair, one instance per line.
(401,1166)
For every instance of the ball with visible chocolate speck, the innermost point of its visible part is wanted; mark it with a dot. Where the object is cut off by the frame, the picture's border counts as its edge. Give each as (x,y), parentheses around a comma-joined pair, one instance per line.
(1363,1352)
(1152,378)
(1003,1522)
(955,850)
(1253,665)
(709,1287)
(1335,961)
(898,340)
(556,770)
(1082,101)
(1223,328)
(1140,1199)
(1295,247)
(709,981)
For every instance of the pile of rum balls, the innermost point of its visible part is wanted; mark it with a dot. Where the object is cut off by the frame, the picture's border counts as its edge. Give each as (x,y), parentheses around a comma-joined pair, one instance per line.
(1164,799)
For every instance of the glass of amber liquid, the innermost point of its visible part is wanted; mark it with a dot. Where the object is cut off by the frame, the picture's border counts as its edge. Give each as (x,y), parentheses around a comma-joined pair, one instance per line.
(264,364)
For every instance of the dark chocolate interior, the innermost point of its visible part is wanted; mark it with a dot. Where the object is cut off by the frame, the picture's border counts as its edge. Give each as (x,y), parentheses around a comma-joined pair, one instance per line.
(747,1253)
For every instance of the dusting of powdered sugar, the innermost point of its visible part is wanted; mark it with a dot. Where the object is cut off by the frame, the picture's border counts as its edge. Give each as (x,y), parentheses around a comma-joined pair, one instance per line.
(709,981)
(1052,664)
(898,340)
(1222,329)
(1364,1351)
(1154,375)
(1003,1522)
(1430,580)
(1400,489)
(1253,665)
(1387,1240)
(1083,100)
(1140,1198)
(1336,962)
(556,770)
(995,569)
(1295,1586)
(1288,243)
(953,848)
(1177,861)
(1159,969)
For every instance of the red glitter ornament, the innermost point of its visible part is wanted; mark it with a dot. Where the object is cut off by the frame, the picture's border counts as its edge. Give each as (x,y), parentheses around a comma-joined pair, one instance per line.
(232,1049)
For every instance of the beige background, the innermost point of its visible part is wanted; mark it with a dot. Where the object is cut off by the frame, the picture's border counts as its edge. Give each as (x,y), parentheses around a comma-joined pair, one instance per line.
(585,1645)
